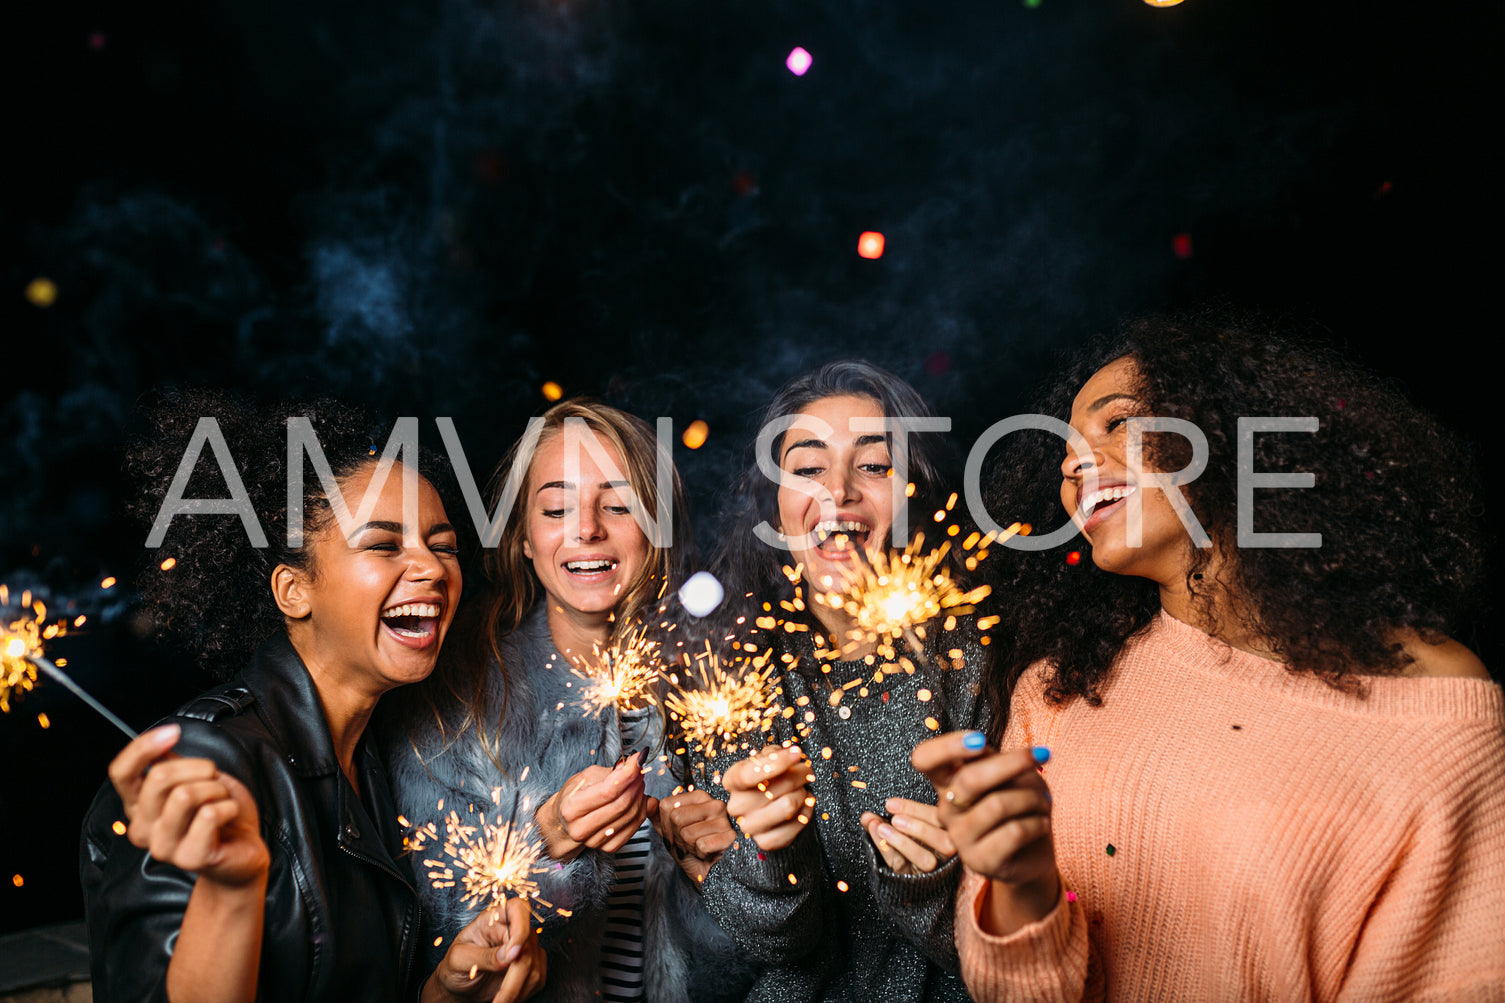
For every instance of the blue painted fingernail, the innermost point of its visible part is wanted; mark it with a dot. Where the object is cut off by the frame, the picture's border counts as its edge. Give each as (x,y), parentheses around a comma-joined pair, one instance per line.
(1041,754)
(974,740)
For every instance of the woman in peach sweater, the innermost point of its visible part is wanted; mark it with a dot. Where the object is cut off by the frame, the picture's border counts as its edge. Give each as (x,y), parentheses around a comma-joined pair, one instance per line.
(1236,766)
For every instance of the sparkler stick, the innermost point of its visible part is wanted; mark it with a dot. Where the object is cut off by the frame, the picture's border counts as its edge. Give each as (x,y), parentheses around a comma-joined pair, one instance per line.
(58,675)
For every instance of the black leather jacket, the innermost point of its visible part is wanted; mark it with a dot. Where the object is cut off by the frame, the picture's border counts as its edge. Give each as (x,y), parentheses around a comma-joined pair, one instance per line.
(342,916)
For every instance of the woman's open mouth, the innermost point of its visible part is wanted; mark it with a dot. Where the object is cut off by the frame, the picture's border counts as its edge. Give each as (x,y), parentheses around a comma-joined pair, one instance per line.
(1102,503)
(840,536)
(590,568)
(414,624)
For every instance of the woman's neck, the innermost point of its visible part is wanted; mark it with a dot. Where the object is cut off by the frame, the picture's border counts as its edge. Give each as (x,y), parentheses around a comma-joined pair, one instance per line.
(348,704)
(1213,609)
(578,635)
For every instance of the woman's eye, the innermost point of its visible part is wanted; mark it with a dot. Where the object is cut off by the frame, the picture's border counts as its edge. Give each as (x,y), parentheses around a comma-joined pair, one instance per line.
(1115,423)
(880,469)
(619,510)
(382,546)
(554,513)
(445,548)
(805,471)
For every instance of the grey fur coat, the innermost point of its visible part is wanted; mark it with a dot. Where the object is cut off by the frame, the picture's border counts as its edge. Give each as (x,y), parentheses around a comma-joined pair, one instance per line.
(687,958)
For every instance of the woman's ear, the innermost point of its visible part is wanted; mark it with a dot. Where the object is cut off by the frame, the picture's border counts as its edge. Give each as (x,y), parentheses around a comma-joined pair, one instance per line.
(527,549)
(290,590)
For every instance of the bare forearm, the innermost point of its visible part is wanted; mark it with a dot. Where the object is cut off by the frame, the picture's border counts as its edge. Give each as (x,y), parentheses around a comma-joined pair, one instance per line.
(218,951)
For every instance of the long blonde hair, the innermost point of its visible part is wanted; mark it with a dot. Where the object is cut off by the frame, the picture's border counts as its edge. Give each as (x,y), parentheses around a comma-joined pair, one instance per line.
(513,586)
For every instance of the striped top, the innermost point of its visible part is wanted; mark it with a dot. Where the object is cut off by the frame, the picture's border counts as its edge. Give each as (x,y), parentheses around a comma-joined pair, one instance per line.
(622,945)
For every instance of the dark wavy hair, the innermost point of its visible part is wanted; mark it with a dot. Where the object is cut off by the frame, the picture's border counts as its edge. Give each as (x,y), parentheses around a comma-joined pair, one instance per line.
(1395,500)
(747,565)
(215,599)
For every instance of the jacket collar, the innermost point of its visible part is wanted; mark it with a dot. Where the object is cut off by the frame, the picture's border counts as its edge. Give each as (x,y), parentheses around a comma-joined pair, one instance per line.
(288,703)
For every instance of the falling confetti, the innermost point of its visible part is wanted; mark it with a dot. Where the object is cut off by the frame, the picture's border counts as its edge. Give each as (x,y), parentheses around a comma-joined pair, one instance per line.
(1074,558)
(1181,242)
(551,391)
(870,245)
(799,61)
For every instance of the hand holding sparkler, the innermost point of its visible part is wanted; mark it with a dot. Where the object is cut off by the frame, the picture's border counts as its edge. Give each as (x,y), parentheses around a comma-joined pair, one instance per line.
(769,795)
(996,808)
(597,808)
(188,813)
(496,958)
(697,828)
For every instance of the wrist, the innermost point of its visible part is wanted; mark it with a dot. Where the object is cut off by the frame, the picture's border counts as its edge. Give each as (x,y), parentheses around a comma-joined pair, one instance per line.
(556,837)
(1008,906)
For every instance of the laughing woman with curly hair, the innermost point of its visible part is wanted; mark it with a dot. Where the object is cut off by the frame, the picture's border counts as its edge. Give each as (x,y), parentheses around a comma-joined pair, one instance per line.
(1271,772)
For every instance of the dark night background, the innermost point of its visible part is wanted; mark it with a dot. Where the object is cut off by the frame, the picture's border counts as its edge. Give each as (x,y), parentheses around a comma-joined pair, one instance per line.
(434,206)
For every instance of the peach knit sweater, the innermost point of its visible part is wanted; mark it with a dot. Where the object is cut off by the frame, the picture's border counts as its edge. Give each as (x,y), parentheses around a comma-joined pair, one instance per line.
(1229,830)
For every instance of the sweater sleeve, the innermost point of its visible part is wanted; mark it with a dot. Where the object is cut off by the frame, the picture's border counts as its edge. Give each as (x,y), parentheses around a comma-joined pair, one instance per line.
(1434,930)
(921,906)
(1046,960)
(772,903)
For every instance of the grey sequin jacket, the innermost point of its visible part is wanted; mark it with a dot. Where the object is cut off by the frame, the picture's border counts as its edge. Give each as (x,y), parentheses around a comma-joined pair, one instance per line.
(828,916)
(687,958)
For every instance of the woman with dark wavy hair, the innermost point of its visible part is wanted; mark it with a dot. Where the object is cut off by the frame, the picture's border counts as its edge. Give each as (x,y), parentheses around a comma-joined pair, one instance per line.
(843,881)
(1272,773)
(507,716)
(247,848)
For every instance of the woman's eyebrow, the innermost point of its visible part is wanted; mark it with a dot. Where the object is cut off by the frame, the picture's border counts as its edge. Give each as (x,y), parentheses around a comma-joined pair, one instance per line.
(868,440)
(805,444)
(1107,399)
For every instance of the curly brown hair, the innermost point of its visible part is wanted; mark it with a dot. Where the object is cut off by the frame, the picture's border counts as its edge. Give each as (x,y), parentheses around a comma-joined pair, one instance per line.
(1395,501)
(215,598)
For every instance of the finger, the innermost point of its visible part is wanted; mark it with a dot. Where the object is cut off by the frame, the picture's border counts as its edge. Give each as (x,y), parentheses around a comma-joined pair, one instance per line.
(182,805)
(714,844)
(624,831)
(616,789)
(762,767)
(912,856)
(996,810)
(624,814)
(938,757)
(164,776)
(128,769)
(519,923)
(999,852)
(779,836)
(202,845)
(895,860)
(969,783)
(795,807)
(922,822)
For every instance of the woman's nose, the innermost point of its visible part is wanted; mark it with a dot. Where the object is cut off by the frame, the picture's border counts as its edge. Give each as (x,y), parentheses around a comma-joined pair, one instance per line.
(1080,459)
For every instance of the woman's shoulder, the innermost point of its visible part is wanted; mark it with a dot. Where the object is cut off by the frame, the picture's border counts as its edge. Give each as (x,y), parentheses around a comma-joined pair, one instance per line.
(1445,659)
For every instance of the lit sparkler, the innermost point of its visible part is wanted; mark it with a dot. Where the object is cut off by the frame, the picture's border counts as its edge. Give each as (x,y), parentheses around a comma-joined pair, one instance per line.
(628,669)
(21,655)
(489,861)
(722,703)
(894,595)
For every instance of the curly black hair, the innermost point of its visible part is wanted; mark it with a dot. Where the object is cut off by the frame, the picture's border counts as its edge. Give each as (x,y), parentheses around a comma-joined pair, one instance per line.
(1395,501)
(214,599)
